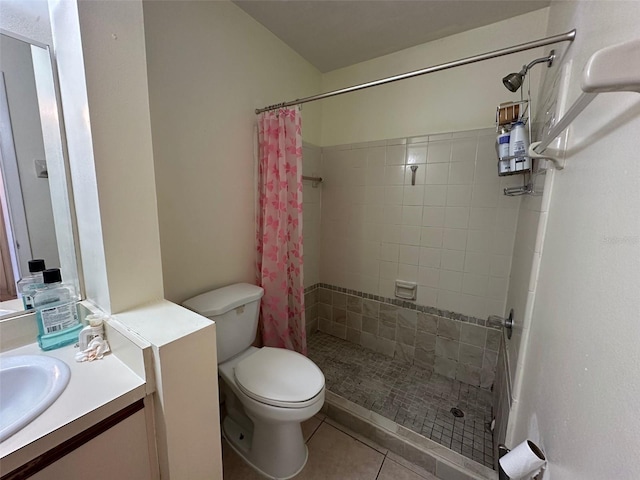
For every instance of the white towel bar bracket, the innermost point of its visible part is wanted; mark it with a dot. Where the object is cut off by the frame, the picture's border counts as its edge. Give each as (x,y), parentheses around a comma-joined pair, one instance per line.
(541,156)
(610,69)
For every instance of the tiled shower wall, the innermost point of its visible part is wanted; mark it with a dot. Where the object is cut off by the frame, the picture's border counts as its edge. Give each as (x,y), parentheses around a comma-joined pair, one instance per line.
(452,232)
(456,346)
(311,197)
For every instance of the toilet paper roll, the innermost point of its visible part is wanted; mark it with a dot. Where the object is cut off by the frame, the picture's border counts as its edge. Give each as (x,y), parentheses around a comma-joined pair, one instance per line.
(523,461)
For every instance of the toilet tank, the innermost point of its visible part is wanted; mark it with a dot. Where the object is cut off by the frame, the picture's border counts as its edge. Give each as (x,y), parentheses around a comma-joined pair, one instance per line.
(235,310)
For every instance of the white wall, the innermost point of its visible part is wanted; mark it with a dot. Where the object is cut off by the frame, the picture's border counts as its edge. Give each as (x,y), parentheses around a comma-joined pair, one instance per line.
(210,65)
(463,98)
(580,382)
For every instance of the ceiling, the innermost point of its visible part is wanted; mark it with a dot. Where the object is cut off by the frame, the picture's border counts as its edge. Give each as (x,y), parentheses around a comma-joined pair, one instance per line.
(331,34)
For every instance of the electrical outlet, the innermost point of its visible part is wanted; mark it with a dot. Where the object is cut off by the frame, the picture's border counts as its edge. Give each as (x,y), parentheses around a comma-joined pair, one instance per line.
(41,168)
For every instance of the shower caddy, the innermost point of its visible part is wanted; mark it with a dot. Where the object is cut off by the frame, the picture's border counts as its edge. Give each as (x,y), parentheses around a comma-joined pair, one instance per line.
(523,109)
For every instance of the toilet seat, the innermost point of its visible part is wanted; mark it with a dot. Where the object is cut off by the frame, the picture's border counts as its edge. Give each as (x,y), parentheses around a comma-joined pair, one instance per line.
(279,377)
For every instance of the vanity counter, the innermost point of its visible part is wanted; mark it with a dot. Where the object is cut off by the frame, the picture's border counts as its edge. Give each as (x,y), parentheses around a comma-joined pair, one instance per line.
(96,390)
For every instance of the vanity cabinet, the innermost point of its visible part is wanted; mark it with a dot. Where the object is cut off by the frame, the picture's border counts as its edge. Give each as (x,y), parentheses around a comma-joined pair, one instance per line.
(122,451)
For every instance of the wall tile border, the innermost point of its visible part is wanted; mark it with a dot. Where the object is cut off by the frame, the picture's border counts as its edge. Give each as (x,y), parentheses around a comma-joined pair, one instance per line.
(311,308)
(409,305)
(454,345)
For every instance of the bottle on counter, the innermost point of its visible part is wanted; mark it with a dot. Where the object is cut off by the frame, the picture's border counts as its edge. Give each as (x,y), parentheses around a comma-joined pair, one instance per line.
(94,329)
(56,314)
(29,284)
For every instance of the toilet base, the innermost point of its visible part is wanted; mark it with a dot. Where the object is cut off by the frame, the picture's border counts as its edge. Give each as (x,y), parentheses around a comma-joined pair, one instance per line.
(241,440)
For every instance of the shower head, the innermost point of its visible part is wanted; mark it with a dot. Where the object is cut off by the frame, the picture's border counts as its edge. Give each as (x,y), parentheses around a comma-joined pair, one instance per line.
(513,81)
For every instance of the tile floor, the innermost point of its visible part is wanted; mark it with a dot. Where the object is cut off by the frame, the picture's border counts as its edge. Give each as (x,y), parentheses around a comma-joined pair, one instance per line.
(411,396)
(334,455)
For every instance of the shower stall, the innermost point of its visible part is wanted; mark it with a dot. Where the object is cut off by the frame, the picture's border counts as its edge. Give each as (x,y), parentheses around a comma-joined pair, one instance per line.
(426,364)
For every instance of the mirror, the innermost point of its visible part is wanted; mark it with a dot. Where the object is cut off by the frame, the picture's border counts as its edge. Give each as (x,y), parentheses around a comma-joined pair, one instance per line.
(36,219)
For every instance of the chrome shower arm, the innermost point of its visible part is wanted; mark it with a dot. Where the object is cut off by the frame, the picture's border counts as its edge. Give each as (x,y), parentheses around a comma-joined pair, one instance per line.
(548,60)
(513,81)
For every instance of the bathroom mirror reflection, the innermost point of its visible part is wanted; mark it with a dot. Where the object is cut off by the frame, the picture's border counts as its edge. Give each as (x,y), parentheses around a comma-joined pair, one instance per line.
(36,219)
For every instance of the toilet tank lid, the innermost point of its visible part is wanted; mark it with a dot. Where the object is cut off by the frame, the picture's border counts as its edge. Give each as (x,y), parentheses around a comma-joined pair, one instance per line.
(220,301)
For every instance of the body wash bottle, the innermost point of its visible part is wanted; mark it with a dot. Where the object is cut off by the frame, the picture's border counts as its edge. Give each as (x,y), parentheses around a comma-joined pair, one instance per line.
(56,313)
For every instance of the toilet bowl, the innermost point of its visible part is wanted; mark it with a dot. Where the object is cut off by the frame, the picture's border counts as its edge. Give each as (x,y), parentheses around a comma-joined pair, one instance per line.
(272,441)
(267,392)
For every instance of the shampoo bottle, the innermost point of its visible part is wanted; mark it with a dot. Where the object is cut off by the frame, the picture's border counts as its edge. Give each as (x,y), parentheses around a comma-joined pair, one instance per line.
(28,285)
(56,313)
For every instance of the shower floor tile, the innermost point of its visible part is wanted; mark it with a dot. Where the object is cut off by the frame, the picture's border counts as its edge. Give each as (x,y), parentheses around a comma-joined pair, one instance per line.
(411,396)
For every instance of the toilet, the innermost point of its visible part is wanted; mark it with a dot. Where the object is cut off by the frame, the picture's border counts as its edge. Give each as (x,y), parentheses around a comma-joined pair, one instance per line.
(267,391)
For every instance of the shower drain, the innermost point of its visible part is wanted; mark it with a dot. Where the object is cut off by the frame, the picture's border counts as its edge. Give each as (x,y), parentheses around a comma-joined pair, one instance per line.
(456,412)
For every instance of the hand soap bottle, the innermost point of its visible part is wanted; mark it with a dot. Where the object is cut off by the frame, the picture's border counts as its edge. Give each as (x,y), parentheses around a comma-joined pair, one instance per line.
(56,313)
(28,285)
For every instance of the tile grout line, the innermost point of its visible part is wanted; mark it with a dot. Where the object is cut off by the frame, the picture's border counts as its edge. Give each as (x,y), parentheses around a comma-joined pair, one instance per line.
(314,431)
(384,455)
(384,459)
(351,435)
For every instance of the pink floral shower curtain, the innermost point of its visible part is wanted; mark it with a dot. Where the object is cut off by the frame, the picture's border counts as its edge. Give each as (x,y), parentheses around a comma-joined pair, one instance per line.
(279,229)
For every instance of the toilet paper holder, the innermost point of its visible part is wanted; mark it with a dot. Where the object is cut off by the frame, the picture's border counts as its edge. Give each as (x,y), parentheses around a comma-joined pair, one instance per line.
(535,451)
(502,451)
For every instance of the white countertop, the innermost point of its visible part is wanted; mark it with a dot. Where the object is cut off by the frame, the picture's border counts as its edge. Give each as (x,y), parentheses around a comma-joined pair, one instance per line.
(95,391)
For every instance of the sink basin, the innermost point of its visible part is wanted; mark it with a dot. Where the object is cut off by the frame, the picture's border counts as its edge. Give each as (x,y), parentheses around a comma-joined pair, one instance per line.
(29,384)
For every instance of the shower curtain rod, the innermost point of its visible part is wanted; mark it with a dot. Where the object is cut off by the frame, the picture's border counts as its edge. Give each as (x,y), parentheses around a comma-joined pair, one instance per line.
(563,37)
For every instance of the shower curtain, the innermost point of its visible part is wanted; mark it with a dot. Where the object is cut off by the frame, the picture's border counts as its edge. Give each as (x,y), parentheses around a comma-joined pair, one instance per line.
(279,229)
